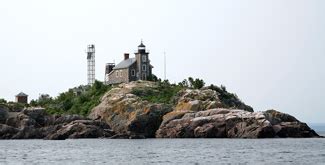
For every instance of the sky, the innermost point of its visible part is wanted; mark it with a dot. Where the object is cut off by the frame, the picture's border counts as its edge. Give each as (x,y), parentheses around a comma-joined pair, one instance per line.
(270,53)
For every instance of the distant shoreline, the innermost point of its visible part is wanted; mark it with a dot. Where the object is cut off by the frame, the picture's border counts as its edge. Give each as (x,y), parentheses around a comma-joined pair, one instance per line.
(321,133)
(318,127)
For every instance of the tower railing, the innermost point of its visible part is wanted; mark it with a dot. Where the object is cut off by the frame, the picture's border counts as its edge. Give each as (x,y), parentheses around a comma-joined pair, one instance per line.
(146,51)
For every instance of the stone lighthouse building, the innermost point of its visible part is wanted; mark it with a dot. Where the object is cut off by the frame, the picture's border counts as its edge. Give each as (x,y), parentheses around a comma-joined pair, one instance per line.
(130,69)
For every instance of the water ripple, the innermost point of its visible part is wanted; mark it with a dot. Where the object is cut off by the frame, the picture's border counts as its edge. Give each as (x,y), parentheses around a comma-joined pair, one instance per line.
(163,151)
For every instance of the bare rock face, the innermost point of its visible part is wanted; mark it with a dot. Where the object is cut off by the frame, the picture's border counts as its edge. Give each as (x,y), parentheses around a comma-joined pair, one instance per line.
(197,100)
(127,114)
(6,132)
(82,129)
(225,123)
(4,112)
(34,123)
(195,113)
(64,119)
(286,125)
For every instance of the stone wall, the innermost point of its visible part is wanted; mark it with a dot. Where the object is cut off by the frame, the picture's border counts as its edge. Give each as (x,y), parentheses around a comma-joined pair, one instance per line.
(119,76)
(133,67)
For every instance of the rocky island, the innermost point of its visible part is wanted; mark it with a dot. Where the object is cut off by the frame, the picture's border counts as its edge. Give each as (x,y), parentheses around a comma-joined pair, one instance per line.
(145,109)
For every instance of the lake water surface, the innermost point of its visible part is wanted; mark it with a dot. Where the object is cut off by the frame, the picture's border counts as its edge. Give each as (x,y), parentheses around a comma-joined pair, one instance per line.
(164,151)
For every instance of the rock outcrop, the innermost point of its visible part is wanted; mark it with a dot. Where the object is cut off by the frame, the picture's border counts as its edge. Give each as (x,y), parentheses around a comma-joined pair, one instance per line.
(229,100)
(3,113)
(145,109)
(128,114)
(82,129)
(193,113)
(226,123)
(37,124)
(197,100)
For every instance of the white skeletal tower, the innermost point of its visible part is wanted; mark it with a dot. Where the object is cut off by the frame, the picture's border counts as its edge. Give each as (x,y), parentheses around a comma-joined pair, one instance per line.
(91,64)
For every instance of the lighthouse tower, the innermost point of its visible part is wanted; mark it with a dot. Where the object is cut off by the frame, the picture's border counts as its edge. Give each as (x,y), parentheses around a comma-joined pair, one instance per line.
(143,62)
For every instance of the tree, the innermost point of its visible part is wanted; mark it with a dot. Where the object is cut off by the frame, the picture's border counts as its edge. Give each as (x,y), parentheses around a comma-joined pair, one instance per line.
(197,83)
(3,101)
(223,88)
(184,83)
(165,83)
(33,103)
(98,85)
(153,77)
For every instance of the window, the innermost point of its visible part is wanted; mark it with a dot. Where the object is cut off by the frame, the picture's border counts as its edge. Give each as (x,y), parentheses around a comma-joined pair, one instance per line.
(144,58)
(133,72)
(144,67)
(116,73)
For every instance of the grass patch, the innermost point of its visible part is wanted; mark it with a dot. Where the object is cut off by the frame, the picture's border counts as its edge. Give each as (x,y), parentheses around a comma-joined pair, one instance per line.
(164,93)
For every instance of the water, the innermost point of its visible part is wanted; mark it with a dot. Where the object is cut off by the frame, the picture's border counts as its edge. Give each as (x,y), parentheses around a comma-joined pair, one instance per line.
(318,127)
(164,151)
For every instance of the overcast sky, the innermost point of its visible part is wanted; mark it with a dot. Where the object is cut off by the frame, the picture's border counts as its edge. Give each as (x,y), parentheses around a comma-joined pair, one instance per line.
(270,53)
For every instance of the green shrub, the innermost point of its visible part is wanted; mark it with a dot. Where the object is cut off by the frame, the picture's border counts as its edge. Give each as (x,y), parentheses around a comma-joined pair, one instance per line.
(196,84)
(153,77)
(3,101)
(79,100)
(164,93)
(229,99)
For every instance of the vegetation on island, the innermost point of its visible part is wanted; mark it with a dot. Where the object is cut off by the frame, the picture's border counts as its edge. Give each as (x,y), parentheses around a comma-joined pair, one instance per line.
(3,101)
(12,106)
(163,93)
(167,93)
(80,100)
(230,99)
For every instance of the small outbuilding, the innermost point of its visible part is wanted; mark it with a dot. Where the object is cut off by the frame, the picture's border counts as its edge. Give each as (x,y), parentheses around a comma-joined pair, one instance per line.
(22,98)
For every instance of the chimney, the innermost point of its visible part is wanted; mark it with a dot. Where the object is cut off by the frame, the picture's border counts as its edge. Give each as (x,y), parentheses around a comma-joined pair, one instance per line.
(126,56)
